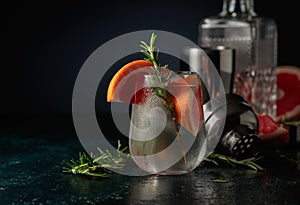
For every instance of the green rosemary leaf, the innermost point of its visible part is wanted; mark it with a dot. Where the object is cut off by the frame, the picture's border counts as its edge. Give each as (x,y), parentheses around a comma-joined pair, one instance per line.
(231,163)
(212,161)
(146,54)
(84,171)
(103,156)
(251,166)
(144,44)
(256,165)
(74,163)
(144,47)
(82,165)
(152,40)
(221,180)
(104,175)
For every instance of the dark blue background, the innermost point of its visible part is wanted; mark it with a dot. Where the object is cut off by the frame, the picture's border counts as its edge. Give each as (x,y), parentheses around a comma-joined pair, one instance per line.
(45,43)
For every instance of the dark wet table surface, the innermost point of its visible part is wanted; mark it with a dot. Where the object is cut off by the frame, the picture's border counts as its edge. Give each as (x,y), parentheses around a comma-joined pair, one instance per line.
(31,173)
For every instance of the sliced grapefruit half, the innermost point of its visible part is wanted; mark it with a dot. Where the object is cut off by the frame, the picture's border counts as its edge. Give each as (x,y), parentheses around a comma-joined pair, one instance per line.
(126,83)
(288,94)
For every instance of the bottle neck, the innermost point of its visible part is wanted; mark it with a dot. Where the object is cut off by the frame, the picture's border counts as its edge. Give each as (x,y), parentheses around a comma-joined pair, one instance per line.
(238,8)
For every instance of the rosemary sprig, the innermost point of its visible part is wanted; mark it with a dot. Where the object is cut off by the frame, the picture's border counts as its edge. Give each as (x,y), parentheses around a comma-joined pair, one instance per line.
(292,122)
(159,76)
(98,167)
(249,162)
(148,50)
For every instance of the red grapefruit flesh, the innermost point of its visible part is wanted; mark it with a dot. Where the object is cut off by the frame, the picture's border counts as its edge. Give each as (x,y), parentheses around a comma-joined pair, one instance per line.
(288,93)
(187,99)
(271,133)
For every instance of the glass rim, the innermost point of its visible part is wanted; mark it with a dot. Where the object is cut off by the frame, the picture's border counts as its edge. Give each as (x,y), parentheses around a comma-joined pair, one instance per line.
(186,72)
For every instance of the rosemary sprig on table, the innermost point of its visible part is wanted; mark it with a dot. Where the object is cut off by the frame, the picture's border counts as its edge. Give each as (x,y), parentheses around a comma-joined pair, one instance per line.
(216,159)
(98,167)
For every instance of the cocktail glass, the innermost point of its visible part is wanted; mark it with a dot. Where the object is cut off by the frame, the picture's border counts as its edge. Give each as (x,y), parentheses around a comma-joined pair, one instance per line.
(167,132)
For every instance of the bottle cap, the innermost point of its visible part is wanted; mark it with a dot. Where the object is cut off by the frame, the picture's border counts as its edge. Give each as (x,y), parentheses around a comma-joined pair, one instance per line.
(242,146)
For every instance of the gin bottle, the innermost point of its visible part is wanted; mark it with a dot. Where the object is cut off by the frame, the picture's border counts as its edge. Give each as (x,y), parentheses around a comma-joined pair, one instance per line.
(254,39)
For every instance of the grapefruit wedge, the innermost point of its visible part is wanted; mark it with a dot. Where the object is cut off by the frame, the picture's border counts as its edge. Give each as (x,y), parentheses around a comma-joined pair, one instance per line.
(187,99)
(126,83)
(271,133)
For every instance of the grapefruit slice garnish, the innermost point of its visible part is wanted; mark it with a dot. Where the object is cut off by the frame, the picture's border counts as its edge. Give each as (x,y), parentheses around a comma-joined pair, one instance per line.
(288,95)
(270,132)
(123,86)
(187,99)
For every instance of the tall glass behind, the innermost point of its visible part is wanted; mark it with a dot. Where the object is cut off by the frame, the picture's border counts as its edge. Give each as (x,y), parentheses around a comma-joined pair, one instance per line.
(254,39)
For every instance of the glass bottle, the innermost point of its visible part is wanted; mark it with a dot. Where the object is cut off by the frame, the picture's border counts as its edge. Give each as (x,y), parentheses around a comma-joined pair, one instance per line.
(254,39)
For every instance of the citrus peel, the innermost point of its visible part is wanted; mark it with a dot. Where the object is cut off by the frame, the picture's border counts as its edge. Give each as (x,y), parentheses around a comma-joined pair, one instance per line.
(122,87)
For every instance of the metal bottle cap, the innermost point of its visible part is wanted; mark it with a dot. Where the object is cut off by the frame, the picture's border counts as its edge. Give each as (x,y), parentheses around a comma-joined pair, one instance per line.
(239,135)
(241,146)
